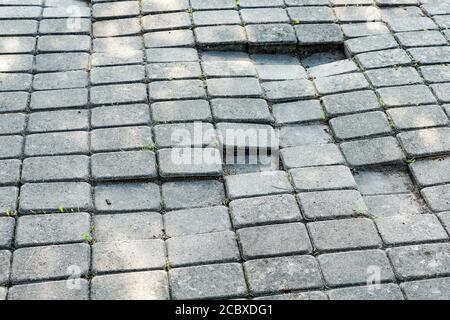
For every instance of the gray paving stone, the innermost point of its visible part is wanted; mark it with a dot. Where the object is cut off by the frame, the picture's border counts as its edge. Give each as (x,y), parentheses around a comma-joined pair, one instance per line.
(216,17)
(371,43)
(331,204)
(311,14)
(116,27)
(264,15)
(73,142)
(322,178)
(279,71)
(431,289)
(171,38)
(7,232)
(202,249)
(58,121)
(123,256)
(425,142)
(356,30)
(173,71)
(441,92)
(166,21)
(192,194)
(323,33)
(176,89)
(262,210)
(352,102)
(234,87)
(123,165)
(150,6)
(60,80)
(344,234)
(54,290)
(64,43)
(49,262)
(392,205)
(311,295)
(236,110)
(372,152)
(431,171)
(372,292)
(197,221)
(410,229)
(242,136)
(58,228)
(311,156)
(298,112)
(389,77)
(431,55)
(126,138)
(418,117)
(10,172)
(8,200)
(333,68)
(13,123)
(19,27)
(62,12)
(5,264)
(421,39)
(112,57)
(195,134)
(127,197)
(228,67)
(382,59)
(405,23)
(435,8)
(15,81)
(278,91)
(117,74)
(357,14)
(16,63)
(274,240)
(437,198)
(271,33)
(148,285)
(282,274)
(11,146)
(159,55)
(61,61)
(302,135)
(110,116)
(372,182)
(353,268)
(436,73)
(119,9)
(52,169)
(181,111)
(257,184)
(447,109)
(212,282)
(13,101)
(64,26)
(361,125)
(220,36)
(124,93)
(56,99)
(418,261)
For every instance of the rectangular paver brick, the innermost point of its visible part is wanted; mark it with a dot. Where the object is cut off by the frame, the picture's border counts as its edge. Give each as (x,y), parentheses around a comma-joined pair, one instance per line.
(54,290)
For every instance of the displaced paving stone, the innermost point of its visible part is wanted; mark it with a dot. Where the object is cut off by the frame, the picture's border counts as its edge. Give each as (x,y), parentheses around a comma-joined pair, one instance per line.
(404,24)
(262,210)
(372,182)
(418,117)
(172,71)
(270,34)
(214,66)
(425,142)
(351,268)
(322,178)
(303,135)
(49,262)
(437,198)
(192,194)
(324,33)
(374,292)
(392,205)
(111,116)
(58,228)
(212,282)
(357,14)
(352,102)
(333,68)
(234,87)
(55,290)
(344,234)
(431,172)
(214,36)
(371,43)
(331,204)
(279,91)
(6,231)
(341,83)
(59,143)
(389,77)
(197,134)
(203,249)
(431,289)
(126,138)
(311,156)
(280,274)
(166,21)
(263,15)
(356,30)
(280,239)
(127,197)
(160,55)
(148,285)
(361,125)
(426,260)
(5,264)
(237,110)
(382,59)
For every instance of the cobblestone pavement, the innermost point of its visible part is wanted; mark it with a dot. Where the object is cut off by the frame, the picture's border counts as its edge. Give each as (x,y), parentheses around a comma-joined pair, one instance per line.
(93,94)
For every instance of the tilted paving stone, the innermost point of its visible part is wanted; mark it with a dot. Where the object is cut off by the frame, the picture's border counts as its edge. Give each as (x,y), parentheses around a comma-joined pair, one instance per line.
(437,198)
(418,117)
(54,290)
(341,83)
(352,102)
(59,143)
(171,38)
(410,229)
(49,262)
(11,146)
(58,121)
(431,172)
(421,39)
(148,285)
(264,210)
(55,168)
(181,111)
(356,30)
(12,123)
(176,89)
(357,13)
(352,268)
(303,135)
(128,256)
(116,27)
(127,226)
(10,172)
(60,80)
(195,134)
(8,200)
(45,197)
(322,178)
(360,125)
(389,77)
(431,289)
(279,91)
(56,99)
(388,291)
(117,74)
(121,138)
(279,71)
(374,151)
(371,43)
(13,101)
(395,204)
(426,142)
(257,184)
(432,55)
(123,165)
(310,295)
(385,58)
(420,261)
(372,182)
(311,156)
(333,68)
(202,249)
(58,228)
(211,281)
(274,275)
(15,81)
(197,221)
(7,232)
(237,110)
(127,197)
(271,34)
(123,115)
(192,194)
(218,36)
(19,27)
(5,264)
(331,204)
(274,240)
(344,234)
(323,33)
